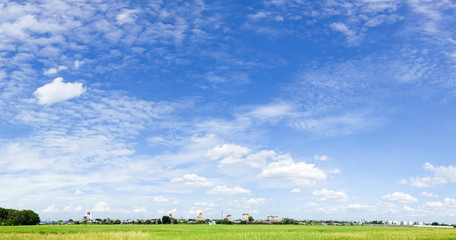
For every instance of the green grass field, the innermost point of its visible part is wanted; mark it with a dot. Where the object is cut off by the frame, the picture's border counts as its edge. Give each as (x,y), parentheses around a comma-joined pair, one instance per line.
(221,232)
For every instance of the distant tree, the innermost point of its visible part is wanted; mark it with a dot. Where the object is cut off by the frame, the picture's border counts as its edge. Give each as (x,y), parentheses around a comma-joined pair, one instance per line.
(159,221)
(435,224)
(175,221)
(18,217)
(117,221)
(148,221)
(166,220)
(251,219)
(70,220)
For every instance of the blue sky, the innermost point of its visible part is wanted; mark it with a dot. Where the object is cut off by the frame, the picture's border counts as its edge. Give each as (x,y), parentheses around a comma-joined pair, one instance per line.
(302,109)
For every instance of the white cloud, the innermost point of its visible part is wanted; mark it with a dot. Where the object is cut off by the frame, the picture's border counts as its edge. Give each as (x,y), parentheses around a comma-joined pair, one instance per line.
(229,152)
(138,209)
(331,196)
(259,159)
(273,111)
(193,180)
(450,201)
(54,70)
(77,64)
(300,173)
(352,37)
(50,208)
(399,197)
(160,199)
(101,207)
(402,181)
(127,16)
(429,194)
(256,201)
(78,193)
(442,175)
(58,91)
(228,191)
(295,190)
(321,158)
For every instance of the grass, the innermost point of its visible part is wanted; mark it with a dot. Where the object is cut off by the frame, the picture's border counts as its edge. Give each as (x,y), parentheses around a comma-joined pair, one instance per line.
(98,232)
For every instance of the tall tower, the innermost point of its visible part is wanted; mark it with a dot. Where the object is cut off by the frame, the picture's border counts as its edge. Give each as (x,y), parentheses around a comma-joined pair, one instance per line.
(200,217)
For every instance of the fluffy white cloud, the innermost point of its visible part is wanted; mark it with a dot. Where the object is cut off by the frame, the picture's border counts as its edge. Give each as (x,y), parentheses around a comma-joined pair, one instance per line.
(442,175)
(101,207)
(259,159)
(228,191)
(160,199)
(192,180)
(78,193)
(58,91)
(300,173)
(229,152)
(429,194)
(295,190)
(330,196)
(138,209)
(399,197)
(50,208)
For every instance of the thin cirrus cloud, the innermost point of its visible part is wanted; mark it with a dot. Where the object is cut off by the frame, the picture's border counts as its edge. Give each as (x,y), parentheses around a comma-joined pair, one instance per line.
(58,91)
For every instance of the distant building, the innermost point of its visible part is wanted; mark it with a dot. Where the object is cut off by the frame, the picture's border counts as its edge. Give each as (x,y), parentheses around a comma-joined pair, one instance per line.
(272,219)
(200,217)
(245,216)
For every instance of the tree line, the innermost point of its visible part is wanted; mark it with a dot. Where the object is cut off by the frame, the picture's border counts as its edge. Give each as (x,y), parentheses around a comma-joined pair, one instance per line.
(10,217)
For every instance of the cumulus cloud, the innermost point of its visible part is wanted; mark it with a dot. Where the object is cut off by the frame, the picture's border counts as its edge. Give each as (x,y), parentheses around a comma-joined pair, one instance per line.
(160,199)
(295,190)
(58,91)
(228,191)
(229,152)
(78,193)
(330,196)
(138,209)
(233,154)
(399,197)
(300,173)
(442,175)
(192,180)
(429,194)
(50,208)
(101,207)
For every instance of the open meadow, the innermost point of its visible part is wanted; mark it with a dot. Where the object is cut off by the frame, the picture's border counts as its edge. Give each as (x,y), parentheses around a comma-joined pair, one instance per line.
(97,232)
